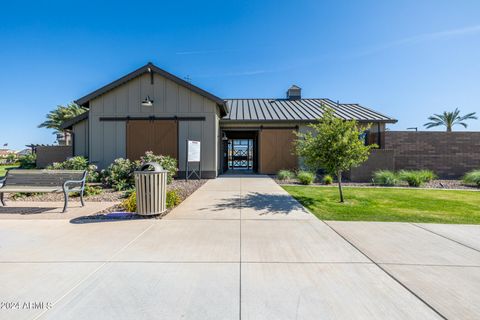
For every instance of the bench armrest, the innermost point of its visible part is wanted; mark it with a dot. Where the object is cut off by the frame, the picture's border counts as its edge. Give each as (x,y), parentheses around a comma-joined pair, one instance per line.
(81,182)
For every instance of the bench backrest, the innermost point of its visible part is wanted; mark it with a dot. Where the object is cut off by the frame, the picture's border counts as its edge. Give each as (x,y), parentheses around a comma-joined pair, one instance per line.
(41,178)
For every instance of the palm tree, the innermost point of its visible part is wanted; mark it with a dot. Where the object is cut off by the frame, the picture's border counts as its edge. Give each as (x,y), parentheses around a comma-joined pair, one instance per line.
(449,119)
(57,117)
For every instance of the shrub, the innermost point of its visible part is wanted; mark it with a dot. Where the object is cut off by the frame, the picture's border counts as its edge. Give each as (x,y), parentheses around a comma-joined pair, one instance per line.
(173,199)
(28,161)
(11,158)
(305,177)
(415,178)
(128,192)
(385,178)
(92,190)
(22,195)
(285,175)
(428,175)
(78,163)
(472,177)
(167,163)
(327,179)
(119,174)
(130,204)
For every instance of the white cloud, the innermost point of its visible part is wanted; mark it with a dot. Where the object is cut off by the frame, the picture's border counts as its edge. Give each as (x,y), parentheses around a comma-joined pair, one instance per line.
(421,38)
(233,74)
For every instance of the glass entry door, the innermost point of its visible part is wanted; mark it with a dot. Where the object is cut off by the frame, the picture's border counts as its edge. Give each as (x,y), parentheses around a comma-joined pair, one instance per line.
(240,154)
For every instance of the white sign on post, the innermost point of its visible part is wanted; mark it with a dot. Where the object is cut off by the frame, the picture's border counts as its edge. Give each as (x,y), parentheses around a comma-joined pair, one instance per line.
(193,151)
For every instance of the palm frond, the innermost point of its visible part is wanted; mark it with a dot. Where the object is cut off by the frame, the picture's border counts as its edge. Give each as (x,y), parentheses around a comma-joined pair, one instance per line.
(429,125)
(469,116)
(58,116)
(449,119)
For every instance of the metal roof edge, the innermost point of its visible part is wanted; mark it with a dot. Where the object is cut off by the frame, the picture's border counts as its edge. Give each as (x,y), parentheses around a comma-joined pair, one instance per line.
(299,121)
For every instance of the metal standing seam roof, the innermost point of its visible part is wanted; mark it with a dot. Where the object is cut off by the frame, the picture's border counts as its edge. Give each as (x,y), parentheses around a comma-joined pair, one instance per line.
(302,110)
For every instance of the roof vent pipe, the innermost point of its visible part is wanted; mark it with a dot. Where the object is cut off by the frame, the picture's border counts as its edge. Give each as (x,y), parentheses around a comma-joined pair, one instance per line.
(294,93)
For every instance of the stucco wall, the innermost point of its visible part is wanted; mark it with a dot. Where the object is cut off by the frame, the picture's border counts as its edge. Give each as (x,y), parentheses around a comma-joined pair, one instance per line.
(108,138)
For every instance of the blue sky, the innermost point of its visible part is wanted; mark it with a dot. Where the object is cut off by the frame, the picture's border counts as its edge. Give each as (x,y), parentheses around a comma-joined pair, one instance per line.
(407,59)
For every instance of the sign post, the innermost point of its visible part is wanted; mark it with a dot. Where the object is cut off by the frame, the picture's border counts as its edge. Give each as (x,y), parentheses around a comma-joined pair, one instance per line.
(193,155)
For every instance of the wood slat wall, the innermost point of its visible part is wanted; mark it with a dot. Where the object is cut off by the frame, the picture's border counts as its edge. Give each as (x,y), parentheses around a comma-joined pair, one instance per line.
(159,136)
(276,150)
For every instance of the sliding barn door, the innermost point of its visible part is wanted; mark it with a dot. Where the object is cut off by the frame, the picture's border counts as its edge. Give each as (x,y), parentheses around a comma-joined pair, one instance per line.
(159,136)
(276,150)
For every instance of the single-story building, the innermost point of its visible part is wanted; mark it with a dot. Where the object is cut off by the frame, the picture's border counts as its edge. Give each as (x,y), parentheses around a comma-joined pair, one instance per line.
(151,109)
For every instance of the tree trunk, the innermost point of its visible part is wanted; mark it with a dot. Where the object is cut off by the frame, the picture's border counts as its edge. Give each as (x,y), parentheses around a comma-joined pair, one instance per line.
(339,178)
(449,129)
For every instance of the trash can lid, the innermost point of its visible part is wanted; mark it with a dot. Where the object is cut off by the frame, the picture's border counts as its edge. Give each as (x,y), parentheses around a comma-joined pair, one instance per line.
(156,167)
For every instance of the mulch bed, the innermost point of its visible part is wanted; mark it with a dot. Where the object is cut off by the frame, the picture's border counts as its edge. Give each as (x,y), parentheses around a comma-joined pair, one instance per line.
(435,184)
(108,195)
(183,188)
(186,188)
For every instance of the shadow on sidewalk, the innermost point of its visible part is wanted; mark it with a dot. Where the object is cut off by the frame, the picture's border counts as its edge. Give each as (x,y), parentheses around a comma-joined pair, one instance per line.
(263,202)
(110,217)
(25,210)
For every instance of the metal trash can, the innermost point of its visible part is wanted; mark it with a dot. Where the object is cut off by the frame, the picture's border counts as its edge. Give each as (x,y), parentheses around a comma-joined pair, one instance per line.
(151,189)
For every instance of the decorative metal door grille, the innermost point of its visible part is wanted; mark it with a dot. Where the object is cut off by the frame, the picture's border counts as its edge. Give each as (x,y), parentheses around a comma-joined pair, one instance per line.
(240,154)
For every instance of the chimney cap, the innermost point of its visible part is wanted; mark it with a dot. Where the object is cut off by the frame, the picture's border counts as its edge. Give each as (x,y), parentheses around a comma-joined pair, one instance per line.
(294,93)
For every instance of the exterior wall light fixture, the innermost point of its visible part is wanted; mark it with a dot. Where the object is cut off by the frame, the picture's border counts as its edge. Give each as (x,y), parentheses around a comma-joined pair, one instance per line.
(147,102)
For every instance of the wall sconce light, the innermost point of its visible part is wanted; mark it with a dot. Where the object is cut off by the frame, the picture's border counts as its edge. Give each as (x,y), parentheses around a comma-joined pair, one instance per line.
(224,137)
(147,102)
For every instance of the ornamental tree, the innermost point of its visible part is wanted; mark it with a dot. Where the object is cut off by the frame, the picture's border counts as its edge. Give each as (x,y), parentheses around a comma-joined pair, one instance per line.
(333,144)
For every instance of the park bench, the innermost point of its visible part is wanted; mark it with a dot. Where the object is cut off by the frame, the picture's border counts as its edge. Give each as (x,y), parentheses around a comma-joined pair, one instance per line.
(44,181)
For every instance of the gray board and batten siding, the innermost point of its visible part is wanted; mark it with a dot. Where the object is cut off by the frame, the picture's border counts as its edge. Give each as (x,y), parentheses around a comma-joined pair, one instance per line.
(197,117)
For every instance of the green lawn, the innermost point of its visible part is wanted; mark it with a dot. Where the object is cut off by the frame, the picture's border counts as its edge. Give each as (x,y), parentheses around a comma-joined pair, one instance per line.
(390,204)
(4,168)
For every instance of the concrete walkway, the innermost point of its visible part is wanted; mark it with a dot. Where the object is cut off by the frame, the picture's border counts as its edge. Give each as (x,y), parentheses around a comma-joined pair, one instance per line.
(33,210)
(239,248)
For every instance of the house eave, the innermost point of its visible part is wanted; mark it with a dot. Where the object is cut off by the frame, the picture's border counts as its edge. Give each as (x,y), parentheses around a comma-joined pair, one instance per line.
(150,67)
(67,125)
(226,121)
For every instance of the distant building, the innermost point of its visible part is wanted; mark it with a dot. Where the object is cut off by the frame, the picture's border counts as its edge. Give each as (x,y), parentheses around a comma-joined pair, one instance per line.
(5,152)
(24,152)
(64,139)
